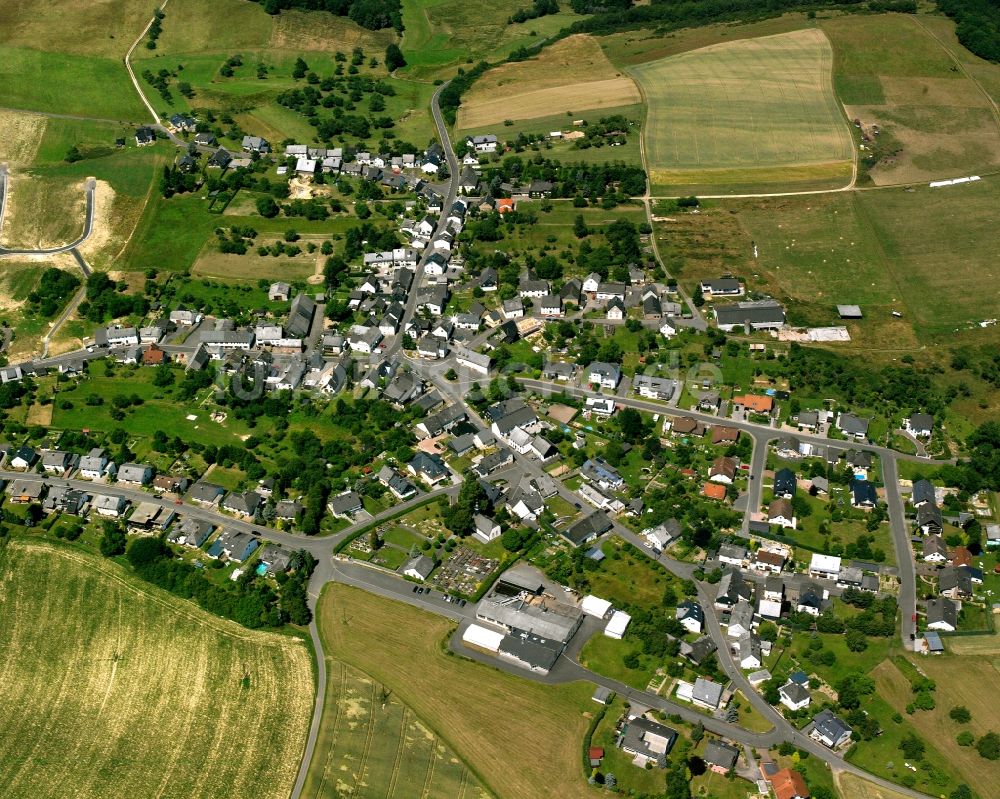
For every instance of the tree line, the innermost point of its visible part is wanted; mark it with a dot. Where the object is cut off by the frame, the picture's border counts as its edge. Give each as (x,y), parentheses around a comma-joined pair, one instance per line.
(371,14)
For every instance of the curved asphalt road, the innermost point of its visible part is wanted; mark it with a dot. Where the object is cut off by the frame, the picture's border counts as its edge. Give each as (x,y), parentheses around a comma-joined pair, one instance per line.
(88,225)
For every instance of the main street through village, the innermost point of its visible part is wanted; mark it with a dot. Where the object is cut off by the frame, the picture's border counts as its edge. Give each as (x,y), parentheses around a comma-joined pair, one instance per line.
(334,568)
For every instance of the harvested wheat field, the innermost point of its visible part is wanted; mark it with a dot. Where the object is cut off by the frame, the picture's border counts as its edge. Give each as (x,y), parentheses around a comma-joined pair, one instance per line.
(114,688)
(756,104)
(572,75)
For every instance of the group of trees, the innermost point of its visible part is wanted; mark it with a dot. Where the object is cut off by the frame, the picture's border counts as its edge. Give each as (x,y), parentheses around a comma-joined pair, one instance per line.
(538,8)
(371,14)
(459,517)
(251,600)
(155,29)
(978,25)
(55,287)
(105,299)
(341,94)
(570,180)
(174,181)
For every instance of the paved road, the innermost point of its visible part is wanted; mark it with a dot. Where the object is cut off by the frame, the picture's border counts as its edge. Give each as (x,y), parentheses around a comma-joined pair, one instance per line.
(762,434)
(759,431)
(3,193)
(88,224)
(376,580)
(451,193)
(320,546)
(907,598)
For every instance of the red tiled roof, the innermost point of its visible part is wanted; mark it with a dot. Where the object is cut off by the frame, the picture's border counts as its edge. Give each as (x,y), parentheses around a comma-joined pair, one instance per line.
(754,402)
(789,784)
(714,490)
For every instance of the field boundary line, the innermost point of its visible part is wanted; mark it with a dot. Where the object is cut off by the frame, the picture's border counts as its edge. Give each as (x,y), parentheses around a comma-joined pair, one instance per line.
(336,722)
(400,744)
(369,736)
(425,790)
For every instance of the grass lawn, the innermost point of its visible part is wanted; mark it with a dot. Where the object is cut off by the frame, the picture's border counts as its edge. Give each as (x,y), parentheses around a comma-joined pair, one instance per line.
(846,660)
(882,756)
(890,71)
(538,727)
(776,91)
(624,578)
(718,786)
(604,655)
(79,84)
(969,681)
(750,717)
(160,689)
(440,35)
(158,411)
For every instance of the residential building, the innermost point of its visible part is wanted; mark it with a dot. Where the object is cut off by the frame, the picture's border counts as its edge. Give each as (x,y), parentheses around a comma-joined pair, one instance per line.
(345,505)
(720,756)
(852,426)
(942,615)
(920,425)
(829,730)
(605,375)
(244,505)
(648,741)
(135,473)
(794,696)
(824,566)
(789,784)
(659,388)
(784,483)
(690,615)
(723,470)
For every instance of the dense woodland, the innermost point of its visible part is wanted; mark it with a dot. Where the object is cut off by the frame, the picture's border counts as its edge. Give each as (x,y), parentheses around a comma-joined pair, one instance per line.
(978,24)
(371,14)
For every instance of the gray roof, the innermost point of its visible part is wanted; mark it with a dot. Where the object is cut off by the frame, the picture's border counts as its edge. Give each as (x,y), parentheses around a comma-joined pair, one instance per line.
(829,726)
(554,621)
(750,313)
(721,754)
(300,315)
(942,610)
(794,692)
(421,564)
(592,525)
(707,691)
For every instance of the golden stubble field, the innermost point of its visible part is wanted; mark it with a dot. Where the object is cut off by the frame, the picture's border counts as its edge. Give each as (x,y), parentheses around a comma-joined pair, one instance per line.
(753,105)
(113,688)
(572,75)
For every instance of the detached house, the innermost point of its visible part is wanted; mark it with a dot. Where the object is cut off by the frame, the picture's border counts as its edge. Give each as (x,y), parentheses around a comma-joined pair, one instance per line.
(135,474)
(852,426)
(829,730)
(605,375)
(244,505)
(920,425)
